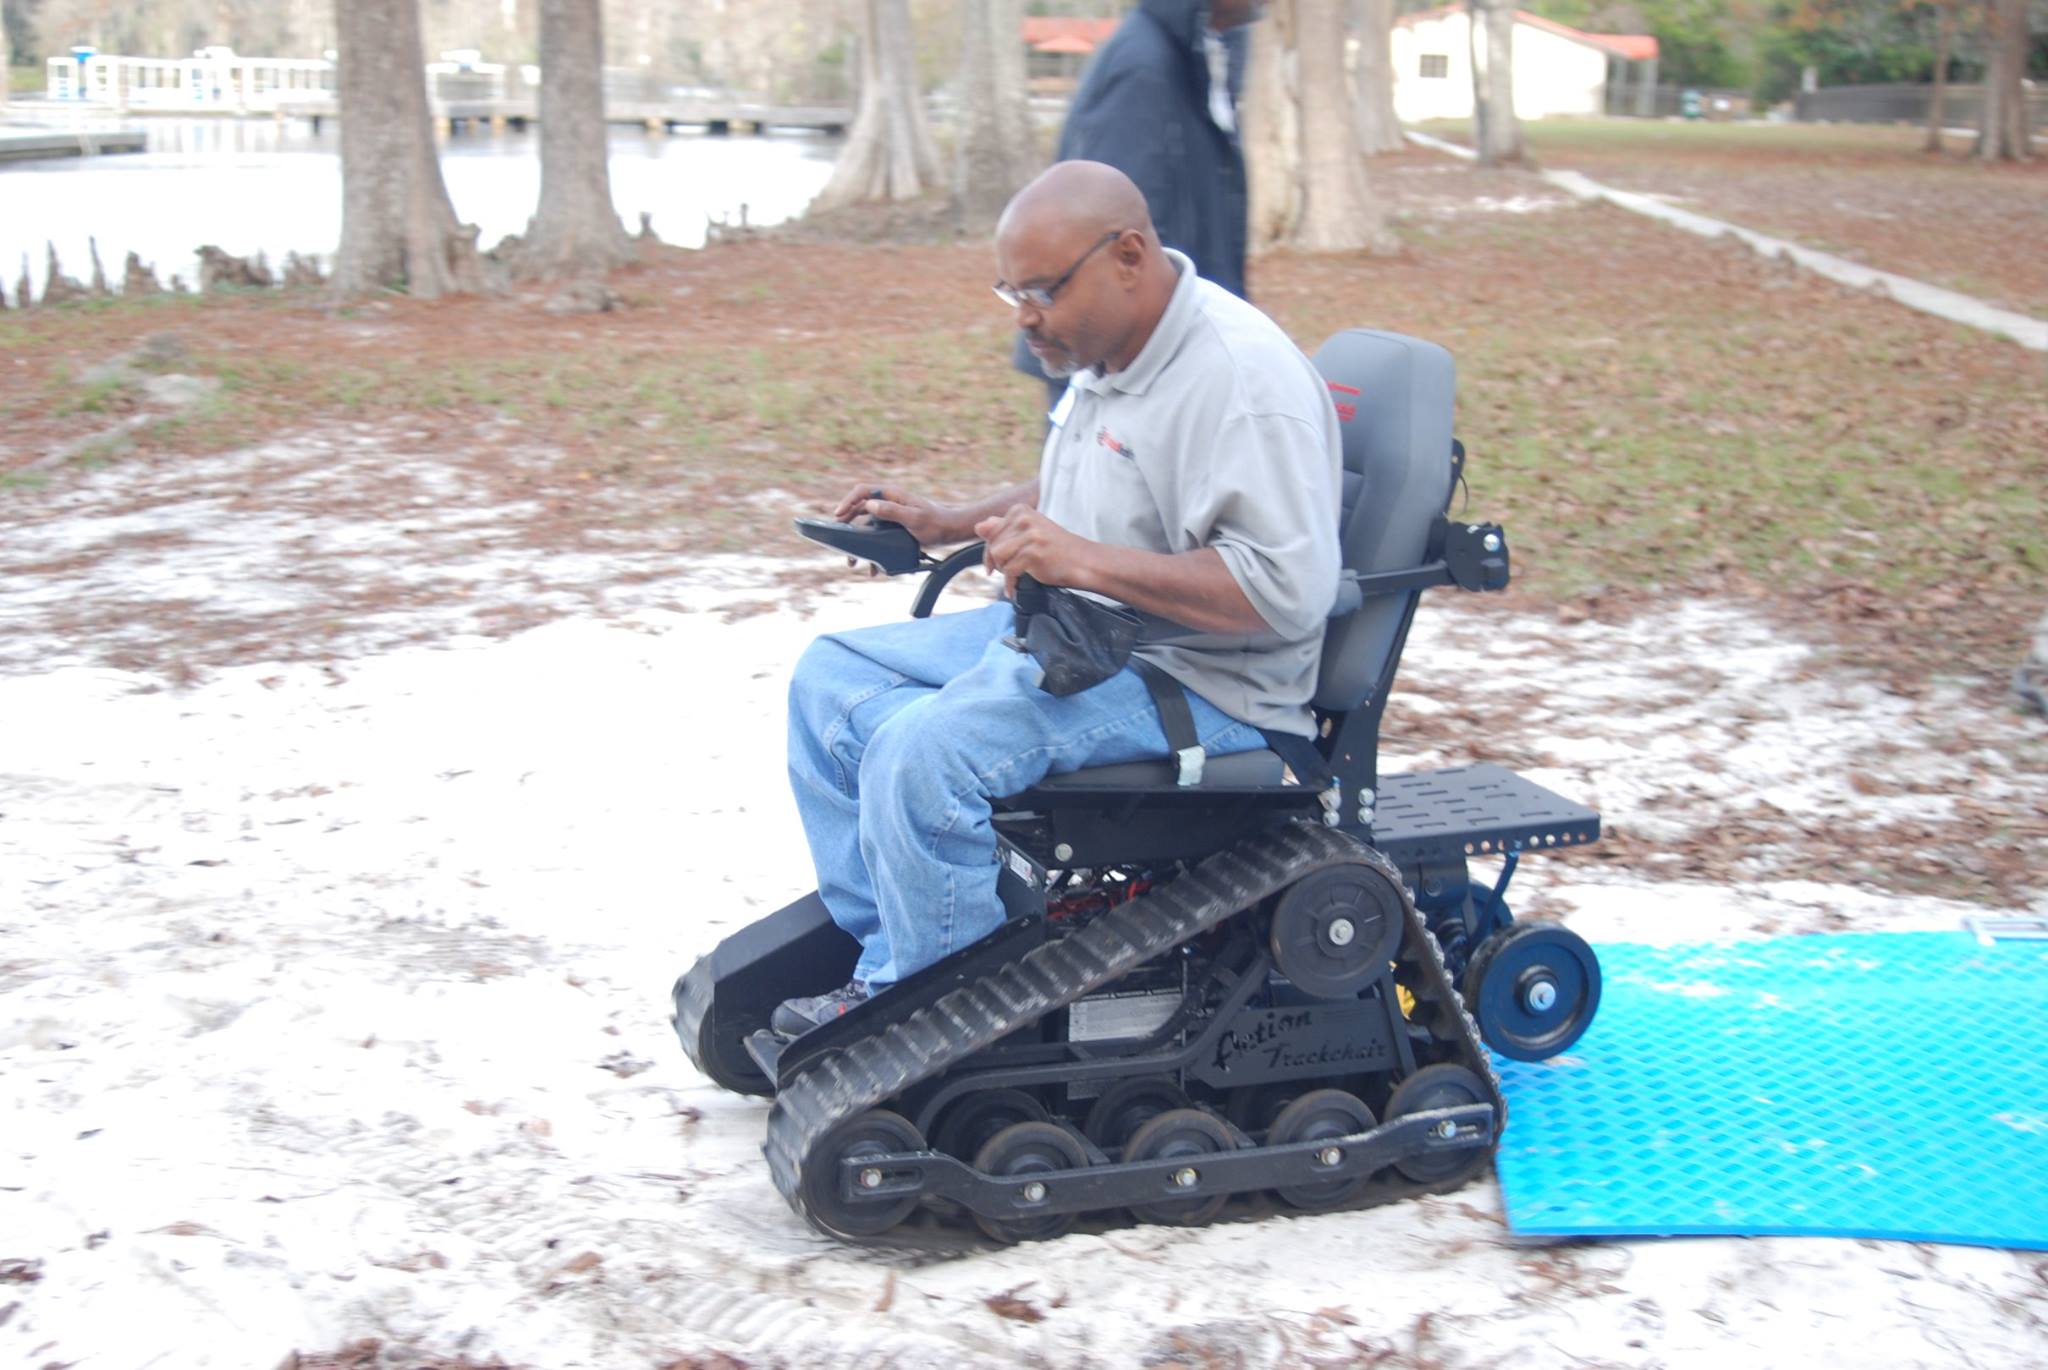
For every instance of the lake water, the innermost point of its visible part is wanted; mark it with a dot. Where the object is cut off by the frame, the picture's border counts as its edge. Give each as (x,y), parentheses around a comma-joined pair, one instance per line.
(254,184)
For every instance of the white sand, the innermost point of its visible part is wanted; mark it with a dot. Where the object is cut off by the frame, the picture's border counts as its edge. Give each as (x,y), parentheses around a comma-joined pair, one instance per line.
(333,1005)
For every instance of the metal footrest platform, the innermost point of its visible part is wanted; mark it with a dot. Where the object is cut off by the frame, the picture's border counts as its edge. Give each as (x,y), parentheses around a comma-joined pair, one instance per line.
(1479,810)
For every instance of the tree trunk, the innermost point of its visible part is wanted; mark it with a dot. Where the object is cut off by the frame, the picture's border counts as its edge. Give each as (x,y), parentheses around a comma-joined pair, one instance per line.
(575,232)
(1308,182)
(2004,135)
(1379,127)
(398,229)
(1338,212)
(1497,133)
(1475,17)
(995,156)
(1269,122)
(889,154)
(1944,45)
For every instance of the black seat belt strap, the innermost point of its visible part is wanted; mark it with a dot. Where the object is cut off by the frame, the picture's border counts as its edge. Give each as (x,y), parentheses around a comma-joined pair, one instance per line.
(1171,699)
(1301,757)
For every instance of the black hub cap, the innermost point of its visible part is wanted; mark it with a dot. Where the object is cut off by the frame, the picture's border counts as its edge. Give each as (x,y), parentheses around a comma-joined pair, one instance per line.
(1335,931)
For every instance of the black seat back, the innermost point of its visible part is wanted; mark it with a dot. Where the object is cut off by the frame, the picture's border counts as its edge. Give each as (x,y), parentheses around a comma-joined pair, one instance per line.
(1394,396)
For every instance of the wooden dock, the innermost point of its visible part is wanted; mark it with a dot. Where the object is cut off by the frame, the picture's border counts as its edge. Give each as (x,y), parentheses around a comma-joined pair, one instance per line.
(458,95)
(21,146)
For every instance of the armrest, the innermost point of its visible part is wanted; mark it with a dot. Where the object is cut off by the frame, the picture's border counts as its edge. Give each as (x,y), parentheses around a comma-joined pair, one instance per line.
(941,574)
(1471,556)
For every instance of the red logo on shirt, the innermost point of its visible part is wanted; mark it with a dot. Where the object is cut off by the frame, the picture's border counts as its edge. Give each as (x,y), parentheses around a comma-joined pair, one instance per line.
(1103,439)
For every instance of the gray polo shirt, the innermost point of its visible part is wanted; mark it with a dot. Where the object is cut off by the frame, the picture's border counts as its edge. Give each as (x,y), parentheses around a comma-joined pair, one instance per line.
(1219,434)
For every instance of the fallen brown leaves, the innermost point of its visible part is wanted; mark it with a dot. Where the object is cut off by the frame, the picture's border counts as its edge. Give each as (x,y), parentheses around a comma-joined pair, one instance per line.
(370,1353)
(1008,1305)
(1651,415)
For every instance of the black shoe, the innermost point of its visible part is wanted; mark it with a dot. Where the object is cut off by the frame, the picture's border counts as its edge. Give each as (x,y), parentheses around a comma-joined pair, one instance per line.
(795,1017)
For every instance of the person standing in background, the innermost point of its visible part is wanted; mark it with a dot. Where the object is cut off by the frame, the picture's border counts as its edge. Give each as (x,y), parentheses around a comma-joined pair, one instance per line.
(1159,103)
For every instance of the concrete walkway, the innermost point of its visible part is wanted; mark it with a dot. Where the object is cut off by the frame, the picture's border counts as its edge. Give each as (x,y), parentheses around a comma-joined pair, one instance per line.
(1929,299)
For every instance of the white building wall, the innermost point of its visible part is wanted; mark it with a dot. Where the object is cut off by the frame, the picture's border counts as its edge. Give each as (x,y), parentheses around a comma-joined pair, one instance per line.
(1553,74)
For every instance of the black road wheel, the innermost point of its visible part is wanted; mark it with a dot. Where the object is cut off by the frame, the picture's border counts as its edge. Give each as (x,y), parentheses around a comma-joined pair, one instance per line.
(1029,1149)
(1180,1134)
(1322,1116)
(1438,1086)
(1534,989)
(877,1132)
(968,1122)
(1254,1107)
(1128,1105)
(1334,932)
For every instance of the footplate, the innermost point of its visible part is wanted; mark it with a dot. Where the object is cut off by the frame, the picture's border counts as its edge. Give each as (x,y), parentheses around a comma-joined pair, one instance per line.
(876,1069)
(1479,810)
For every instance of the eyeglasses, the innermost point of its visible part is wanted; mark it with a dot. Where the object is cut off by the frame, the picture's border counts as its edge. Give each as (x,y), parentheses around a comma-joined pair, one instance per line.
(1040,296)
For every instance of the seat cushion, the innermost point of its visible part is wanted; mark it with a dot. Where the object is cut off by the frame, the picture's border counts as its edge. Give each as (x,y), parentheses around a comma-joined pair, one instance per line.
(1259,767)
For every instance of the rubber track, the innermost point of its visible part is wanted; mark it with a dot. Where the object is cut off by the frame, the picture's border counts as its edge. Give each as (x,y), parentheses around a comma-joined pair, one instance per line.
(1050,976)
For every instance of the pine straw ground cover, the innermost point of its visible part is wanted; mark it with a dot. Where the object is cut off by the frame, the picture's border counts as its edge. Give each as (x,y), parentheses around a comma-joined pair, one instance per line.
(1649,414)
(1865,192)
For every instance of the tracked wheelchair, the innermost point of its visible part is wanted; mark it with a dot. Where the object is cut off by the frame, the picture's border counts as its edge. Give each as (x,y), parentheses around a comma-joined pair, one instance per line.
(1274,971)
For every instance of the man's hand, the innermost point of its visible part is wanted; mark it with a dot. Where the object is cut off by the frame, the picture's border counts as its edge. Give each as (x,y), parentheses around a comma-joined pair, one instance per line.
(1025,542)
(928,521)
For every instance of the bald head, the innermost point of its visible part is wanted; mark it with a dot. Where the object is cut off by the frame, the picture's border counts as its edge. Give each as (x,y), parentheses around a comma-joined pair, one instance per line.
(1081,260)
(1076,199)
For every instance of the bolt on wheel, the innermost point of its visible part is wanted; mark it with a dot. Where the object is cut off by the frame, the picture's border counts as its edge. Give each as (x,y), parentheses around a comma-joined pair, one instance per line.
(1534,989)
(1438,1086)
(1031,1148)
(1320,1116)
(1183,1134)
(1333,932)
(877,1132)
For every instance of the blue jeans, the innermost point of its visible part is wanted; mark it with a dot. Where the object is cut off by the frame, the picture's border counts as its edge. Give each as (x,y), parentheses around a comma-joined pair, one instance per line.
(899,738)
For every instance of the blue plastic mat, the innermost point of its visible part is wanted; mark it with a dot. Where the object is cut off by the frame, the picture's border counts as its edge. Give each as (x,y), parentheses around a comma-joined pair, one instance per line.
(1859,1085)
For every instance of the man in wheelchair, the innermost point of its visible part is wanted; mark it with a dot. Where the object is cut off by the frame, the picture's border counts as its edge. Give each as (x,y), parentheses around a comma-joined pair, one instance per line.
(1190,473)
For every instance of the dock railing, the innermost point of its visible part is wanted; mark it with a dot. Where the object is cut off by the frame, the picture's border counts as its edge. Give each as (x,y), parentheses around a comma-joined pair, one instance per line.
(200,84)
(458,93)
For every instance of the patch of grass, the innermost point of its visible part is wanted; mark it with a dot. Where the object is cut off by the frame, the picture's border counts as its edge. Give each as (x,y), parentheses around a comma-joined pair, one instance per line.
(101,452)
(1646,413)
(97,396)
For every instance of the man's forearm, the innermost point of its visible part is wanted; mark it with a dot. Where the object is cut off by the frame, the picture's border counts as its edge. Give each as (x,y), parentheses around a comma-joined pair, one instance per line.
(961,521)
(1194,589)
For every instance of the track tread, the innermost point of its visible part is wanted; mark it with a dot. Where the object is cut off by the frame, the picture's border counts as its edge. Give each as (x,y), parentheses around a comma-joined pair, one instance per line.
(1055,974)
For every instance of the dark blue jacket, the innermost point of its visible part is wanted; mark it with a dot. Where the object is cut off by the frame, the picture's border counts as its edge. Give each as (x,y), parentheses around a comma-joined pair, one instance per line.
(1143,107)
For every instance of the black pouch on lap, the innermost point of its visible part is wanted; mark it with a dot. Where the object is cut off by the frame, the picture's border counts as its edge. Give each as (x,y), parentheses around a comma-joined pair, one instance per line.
(1076,641)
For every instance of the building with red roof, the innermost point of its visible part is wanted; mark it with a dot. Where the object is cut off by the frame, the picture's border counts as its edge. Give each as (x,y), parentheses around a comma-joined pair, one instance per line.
(1558,69)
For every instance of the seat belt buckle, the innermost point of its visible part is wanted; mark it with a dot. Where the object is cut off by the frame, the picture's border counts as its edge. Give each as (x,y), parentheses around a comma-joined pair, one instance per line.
(1191,760)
